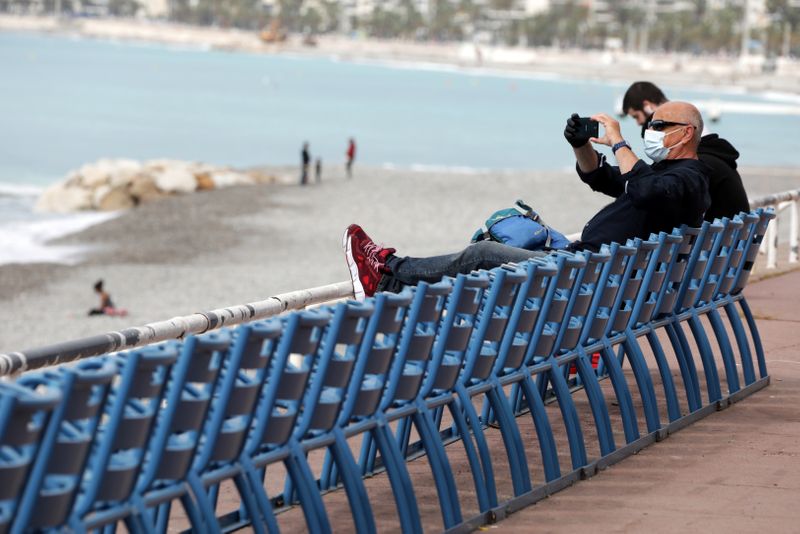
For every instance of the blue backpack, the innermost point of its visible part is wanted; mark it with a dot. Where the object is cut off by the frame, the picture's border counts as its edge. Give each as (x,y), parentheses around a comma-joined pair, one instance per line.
(520,227)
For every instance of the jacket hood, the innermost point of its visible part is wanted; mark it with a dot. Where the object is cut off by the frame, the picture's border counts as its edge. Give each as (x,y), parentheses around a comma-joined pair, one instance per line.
(713,145)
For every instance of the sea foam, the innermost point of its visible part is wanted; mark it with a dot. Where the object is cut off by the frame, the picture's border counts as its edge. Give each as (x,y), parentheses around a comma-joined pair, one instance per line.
(28,241)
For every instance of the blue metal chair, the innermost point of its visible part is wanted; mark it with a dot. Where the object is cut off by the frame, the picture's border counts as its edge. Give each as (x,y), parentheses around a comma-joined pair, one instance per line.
(741,278)
(477,376)
(525,321)
(374,361)
(178,430)
(245,373)
(400,400)
(121,444)
(543,347)
(55,479)
(24,415)
(278,413)
(447,358)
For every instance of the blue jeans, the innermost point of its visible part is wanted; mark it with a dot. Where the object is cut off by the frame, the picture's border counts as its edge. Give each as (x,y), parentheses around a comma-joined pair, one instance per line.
(481,255)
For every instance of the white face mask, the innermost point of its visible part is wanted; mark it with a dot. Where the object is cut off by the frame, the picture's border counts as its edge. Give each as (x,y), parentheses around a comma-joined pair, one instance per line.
(654,145)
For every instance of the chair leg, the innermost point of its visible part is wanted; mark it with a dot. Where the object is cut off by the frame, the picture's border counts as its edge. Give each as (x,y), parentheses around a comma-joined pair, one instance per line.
(307,491)
(518,464)
(398,477)
(544,431)
(731,374)
(673,407)
(597,402)
(623,394)
(440,469)
(354,486)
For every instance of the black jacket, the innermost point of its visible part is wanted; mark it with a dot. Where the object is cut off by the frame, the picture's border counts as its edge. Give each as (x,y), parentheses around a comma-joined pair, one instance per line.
(649,199)
(724,183)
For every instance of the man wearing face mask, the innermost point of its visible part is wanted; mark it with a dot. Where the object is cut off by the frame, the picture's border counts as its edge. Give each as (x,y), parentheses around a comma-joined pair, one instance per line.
(649,198)
(728,196)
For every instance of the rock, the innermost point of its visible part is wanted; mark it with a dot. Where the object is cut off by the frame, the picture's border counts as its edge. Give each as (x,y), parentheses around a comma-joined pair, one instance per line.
(124,171)
(261,177)
(204,181)
(175,180)
(96,174)
(115,184)
(113,199)
(61,199)
(143,189)
(227,178)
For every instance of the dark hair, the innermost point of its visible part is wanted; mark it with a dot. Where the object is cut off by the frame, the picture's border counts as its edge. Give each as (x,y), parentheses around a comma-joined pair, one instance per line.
(98,286)
(638,92)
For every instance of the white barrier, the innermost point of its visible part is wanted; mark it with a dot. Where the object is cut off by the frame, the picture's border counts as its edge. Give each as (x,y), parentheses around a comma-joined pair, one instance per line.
(780,202)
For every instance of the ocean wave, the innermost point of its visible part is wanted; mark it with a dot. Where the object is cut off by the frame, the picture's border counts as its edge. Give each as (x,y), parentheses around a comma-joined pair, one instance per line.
(450,68)
(19,190)
(28,241)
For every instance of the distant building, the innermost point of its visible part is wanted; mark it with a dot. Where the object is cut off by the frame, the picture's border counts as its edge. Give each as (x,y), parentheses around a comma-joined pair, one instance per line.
(155,8)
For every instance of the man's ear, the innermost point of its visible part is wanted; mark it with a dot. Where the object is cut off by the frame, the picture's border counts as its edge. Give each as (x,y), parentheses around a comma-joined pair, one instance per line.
(688,134)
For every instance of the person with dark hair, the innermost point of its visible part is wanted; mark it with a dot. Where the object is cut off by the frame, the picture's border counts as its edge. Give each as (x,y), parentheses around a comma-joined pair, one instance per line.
(728,196)
(318,170)
(106,305)
(641,100)
(647,199)
(305,162)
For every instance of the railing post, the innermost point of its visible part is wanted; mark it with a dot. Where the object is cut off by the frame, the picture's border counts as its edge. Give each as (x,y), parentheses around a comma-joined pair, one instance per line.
(793,230)
(772,244)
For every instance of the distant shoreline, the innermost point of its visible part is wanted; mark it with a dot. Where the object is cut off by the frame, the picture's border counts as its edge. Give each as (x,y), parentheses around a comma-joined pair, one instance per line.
(668,69)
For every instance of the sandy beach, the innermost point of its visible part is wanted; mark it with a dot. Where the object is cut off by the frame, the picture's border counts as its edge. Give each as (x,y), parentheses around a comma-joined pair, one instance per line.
(206,250)
(672,69)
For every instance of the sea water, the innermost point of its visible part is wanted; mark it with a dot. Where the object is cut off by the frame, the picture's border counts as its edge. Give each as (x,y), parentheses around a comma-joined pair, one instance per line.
(66,101)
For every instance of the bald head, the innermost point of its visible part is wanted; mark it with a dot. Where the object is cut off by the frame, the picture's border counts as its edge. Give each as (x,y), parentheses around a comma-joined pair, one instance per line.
(686,113)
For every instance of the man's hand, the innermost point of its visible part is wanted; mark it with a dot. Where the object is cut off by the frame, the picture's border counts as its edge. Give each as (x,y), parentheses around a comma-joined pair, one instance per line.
(572,134)
(611,134)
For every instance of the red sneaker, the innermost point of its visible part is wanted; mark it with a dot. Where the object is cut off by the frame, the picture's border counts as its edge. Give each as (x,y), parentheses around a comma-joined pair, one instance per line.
(366,260)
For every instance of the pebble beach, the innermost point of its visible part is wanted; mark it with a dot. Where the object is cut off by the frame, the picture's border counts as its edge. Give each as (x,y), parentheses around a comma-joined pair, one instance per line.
(206,250)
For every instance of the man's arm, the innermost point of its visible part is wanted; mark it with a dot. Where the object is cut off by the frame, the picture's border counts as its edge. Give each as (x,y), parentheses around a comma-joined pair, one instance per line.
(611,136)
(588,159)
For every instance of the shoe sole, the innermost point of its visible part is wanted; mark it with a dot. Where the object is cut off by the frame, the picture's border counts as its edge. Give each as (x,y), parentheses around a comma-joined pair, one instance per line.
(358,288)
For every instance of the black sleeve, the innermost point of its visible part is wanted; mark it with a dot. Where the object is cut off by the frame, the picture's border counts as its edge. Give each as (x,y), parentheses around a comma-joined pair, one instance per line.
(604,179)
(648,188)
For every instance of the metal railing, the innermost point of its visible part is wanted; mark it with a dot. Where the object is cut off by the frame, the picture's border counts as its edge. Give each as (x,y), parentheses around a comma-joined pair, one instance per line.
(175,328)
(197,323)
(780,202)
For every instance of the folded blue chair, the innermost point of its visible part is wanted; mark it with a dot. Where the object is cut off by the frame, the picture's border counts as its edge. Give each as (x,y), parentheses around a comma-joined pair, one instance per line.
(122,441)
(56,476)
(24,415)
(245,373)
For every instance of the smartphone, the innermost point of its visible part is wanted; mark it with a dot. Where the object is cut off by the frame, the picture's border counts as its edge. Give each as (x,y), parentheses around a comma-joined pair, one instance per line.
(588,128)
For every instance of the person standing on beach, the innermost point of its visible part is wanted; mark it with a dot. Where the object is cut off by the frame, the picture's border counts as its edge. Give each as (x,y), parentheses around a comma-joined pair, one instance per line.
(305,161)
(318,170)
(647,199)
(351,156)
(728,196)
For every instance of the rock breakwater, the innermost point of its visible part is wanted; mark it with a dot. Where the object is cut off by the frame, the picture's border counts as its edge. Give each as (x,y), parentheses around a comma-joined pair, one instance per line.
(116,184)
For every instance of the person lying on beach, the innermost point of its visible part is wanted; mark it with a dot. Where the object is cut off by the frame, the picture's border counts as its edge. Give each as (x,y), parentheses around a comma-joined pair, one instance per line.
(106,305)
(648,199)
(725,186)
